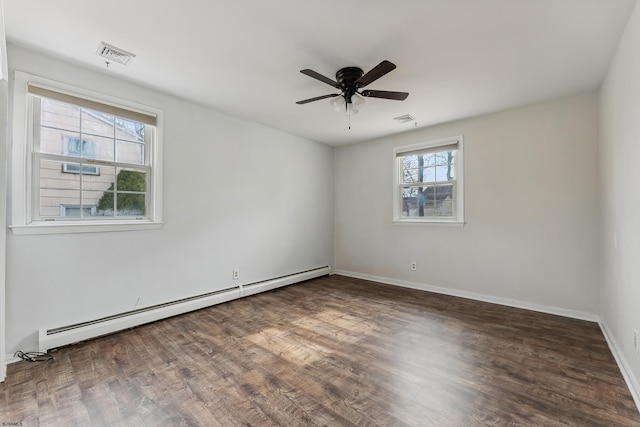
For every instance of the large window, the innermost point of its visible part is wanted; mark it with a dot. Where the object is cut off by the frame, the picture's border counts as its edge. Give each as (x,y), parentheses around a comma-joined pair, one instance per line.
(90,163)
(428,185)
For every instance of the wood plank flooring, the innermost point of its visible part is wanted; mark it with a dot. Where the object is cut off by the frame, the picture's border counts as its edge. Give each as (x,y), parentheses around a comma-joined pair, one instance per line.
(332,351)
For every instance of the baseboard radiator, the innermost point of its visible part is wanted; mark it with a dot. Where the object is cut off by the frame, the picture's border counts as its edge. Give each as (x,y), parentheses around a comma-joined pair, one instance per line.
(65,335)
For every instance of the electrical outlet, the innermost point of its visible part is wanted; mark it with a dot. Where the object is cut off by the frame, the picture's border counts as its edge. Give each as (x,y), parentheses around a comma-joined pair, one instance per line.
(236,273)
(636,344)
(414,265)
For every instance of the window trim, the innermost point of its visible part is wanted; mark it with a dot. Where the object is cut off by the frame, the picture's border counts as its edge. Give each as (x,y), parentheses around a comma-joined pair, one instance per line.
(399,152)
(23,159)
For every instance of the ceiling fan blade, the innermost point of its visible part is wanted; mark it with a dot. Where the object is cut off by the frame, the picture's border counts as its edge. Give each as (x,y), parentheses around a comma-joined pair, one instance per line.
(378,71)
(385,94)
(320,77)
(317,98)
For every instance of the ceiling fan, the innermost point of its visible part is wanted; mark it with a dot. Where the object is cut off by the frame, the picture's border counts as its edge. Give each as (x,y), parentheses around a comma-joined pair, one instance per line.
(350,81)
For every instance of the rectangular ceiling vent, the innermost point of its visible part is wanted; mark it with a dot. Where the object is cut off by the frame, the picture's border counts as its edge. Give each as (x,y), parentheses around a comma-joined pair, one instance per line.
(112,53)
(405,119)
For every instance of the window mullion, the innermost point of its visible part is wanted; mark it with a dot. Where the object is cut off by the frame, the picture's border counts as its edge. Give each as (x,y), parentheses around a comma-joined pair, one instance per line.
(81,192)
(72,159)
(115,169)
(81,144)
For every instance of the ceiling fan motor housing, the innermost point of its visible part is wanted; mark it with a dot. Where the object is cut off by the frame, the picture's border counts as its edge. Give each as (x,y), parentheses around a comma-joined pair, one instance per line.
(346,78)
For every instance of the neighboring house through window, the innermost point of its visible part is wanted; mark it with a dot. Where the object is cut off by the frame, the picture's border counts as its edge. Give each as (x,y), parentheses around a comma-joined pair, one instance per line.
(428,182)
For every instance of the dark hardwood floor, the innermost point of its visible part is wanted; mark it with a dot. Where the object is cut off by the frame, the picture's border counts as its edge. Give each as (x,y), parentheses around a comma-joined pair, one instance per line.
(331,351)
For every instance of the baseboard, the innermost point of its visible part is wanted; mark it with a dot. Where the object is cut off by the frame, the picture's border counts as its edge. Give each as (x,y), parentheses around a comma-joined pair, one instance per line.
(474,296)
(625,369)
(267,285)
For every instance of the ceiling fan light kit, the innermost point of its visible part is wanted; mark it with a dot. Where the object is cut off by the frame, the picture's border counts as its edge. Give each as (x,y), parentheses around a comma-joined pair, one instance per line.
(350,81)
(357,102)
(338,103)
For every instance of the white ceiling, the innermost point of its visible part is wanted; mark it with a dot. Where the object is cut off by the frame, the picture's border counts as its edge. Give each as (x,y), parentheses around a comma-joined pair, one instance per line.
(457,58)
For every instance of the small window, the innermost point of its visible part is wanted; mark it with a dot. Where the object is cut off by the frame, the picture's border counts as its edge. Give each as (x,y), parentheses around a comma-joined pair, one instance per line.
(89,162)
(428,185)
(86,170)
(74,211)
(86,149)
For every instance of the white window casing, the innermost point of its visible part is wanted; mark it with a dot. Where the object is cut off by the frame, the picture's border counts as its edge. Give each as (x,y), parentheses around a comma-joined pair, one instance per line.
(453,213)
(25,157)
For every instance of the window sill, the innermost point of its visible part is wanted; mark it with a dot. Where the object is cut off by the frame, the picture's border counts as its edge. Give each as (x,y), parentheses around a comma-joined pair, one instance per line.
(86,227)
(430,222)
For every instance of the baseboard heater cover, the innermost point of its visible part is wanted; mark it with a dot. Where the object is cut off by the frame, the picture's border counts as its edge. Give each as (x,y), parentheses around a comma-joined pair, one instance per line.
(65,335)
(267,285)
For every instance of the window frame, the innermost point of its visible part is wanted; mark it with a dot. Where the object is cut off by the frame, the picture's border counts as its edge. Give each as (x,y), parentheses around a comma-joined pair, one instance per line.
(398,154)
(24,157)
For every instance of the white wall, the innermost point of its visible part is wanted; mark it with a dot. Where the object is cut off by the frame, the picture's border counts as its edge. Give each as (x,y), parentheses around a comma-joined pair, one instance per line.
(236,194)
(531,209)
(620,197)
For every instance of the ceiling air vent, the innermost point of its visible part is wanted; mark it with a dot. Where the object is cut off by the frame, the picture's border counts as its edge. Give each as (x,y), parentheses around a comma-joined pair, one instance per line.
(115,54)
(405,119)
